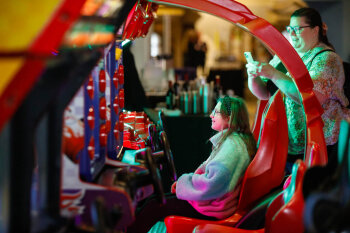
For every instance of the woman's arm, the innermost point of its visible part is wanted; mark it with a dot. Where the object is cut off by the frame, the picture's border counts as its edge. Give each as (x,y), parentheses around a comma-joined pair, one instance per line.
(258,87)
(285,83)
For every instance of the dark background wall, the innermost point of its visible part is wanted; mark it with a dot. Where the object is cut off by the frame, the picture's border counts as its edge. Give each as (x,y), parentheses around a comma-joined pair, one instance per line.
(336,14)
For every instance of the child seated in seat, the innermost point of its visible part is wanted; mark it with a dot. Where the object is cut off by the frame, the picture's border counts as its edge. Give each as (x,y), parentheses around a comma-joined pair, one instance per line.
(212,191)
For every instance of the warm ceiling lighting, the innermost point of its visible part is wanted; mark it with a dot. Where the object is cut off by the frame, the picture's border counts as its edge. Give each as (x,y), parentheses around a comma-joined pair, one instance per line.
(173,11)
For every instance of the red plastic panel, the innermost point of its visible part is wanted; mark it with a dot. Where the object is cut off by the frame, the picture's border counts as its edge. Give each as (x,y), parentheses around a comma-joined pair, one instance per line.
(131,22)
(115,80)
(212,228)
(90,87)
(116,105)
(116,131)
(103,135)
(49,39)
(120,74)
(183,224)
(315,138)
(274,206)
(67,13)
(91,148)
(103,108)
(139,20)
(257,121)
(91,118)
(288,218)
(121,98)
(121,122)
(102,81)
(149,18)
(18,88)
(227,9)
(266,171)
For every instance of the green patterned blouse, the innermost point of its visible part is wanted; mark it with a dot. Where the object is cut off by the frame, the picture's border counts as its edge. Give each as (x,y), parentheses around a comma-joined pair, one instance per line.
(327,74)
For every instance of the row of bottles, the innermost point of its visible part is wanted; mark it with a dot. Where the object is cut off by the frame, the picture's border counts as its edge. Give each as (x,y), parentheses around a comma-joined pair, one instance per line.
(193,96)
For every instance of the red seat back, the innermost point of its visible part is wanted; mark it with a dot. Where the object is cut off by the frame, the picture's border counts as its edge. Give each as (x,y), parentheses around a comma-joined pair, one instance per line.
(257,121)
(266,171)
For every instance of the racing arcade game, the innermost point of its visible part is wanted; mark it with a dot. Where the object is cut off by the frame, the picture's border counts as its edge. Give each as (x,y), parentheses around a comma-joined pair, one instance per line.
(53,74)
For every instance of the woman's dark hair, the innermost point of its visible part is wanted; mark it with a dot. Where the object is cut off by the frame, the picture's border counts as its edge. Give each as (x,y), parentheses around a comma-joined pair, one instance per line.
(313,18)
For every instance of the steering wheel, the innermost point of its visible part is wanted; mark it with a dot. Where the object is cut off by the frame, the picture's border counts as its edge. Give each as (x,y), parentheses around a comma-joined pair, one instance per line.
(161,120)
(136,179)
(155,176)
(168,156)
(152,131)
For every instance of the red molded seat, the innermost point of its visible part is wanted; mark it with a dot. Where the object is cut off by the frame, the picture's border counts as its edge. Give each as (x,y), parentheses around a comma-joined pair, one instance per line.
(288,218)
(223,229)
(257,121)
(265,172)
(279,217)
(285,212)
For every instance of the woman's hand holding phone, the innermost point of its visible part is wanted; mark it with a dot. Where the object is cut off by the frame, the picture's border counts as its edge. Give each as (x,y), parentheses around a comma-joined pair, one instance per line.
(251,65)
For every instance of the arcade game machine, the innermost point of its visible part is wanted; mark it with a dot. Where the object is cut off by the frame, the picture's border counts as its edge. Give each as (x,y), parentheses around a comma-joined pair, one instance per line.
(45,64)
(110,170)
(93,188)
(285,211)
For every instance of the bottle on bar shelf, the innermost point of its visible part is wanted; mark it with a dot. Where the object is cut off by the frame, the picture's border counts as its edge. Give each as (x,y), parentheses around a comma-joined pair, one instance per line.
(217,89)
(170,96)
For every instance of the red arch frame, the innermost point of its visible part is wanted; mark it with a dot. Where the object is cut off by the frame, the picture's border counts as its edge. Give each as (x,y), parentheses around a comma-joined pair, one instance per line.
(274,41)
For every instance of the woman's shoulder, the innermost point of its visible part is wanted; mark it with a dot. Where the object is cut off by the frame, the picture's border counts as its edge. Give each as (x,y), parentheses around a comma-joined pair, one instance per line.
(233,145)
(235,138)
(325,51)
(240,147)
(321,56)
(327,56)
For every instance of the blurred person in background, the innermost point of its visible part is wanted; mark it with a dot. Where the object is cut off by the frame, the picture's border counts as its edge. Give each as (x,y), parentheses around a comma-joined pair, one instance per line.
(196,51)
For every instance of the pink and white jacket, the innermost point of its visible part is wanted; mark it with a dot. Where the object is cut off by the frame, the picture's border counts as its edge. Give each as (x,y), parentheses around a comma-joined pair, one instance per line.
(214,187)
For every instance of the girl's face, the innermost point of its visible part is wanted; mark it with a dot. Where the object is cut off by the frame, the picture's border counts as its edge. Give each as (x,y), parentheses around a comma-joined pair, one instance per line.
(218,121)
(304,37)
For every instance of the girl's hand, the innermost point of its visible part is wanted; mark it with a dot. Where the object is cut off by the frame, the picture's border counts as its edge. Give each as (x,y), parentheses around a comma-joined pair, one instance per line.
(173,187)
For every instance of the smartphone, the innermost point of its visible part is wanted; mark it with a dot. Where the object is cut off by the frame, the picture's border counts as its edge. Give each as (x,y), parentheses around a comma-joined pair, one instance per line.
(249,57)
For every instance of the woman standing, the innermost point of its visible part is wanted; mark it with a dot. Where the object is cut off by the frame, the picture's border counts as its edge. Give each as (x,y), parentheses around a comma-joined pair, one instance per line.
(309,38)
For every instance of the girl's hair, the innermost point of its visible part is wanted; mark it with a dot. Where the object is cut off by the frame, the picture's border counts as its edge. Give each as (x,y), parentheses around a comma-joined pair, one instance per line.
(313,18)
(235,109)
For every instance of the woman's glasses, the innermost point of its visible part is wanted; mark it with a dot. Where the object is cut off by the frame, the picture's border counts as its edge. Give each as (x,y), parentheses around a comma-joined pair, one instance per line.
(296,29)
(214,112)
